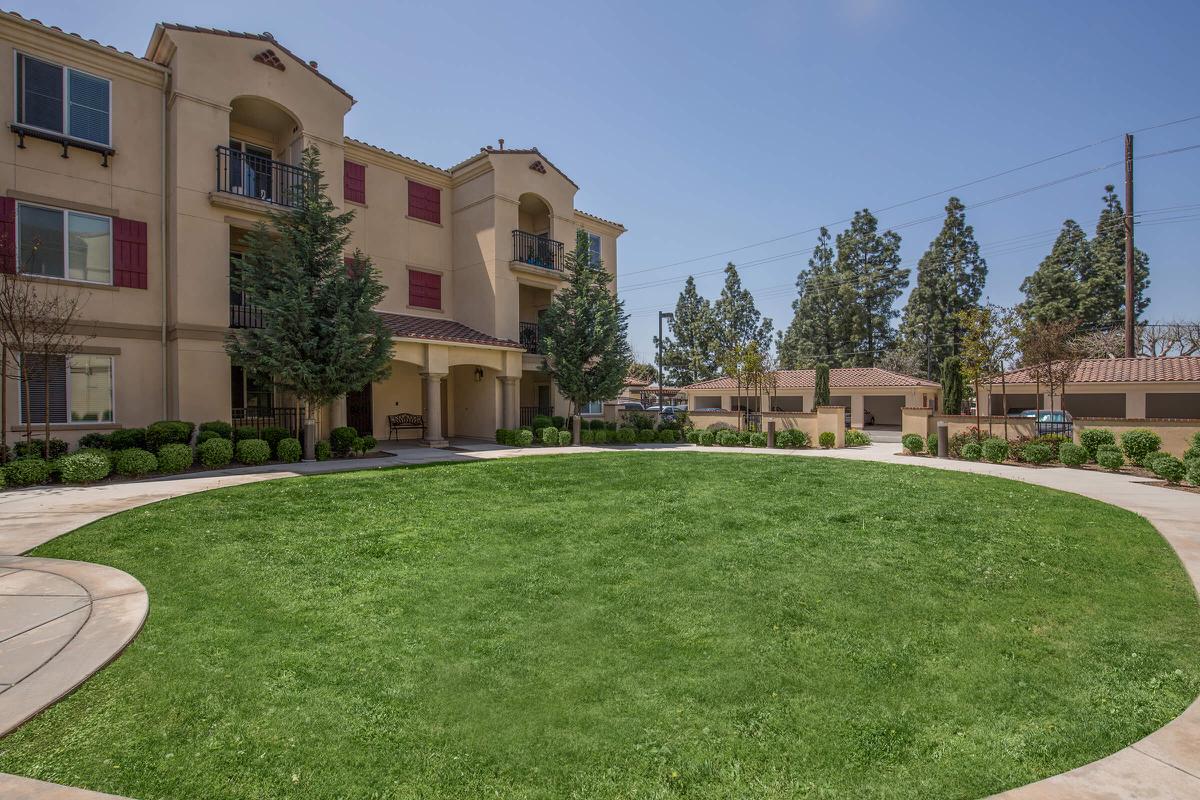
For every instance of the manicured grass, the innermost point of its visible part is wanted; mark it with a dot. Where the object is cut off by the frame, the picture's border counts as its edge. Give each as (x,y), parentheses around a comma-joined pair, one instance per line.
(624,625)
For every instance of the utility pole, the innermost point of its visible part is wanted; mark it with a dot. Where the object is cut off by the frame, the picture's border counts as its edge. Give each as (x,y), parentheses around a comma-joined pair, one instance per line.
(1129,251)
(661,316)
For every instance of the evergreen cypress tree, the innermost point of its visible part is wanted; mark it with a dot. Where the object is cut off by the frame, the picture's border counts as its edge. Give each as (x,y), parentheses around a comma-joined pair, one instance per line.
(585,328)
(821,390)
(319,337)
(688,352)
(1102,297)
(812,334)
(1053,293)
(870,280)
(738,320)
(953,393)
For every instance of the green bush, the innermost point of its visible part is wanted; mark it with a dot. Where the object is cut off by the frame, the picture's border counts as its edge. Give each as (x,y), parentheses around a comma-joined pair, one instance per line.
(1054,441)
(558,422)
(791,438)
(85,466)
(342,440)
(758,439)
(600,436)
(215,453)
(956,442)
(1139,443)
(175,457)
(707,439)
(626,435)
(365,444)
(126,438)
(273,435)
(243,432)
(1037,453)
(1193,472)
(1072,455)
(322,451)
(541,421)
(27,471)
(222,429)
(253,452)
(134,462)
(36,448)
(639,420)
(646,435)
(692,436)
(727,438)
(548,435)
(204,436)
(857,438)
(827,439)
(524,438)
(913,442)
(1110,457)
(501,435)
(995,449)
(168,431)
(598,425)
(931,444)
(1092,439)
(972,451)
(587,436)
(289,450)
(1169,468)
(93,441)
(668,436)
(564,438)
(3,480)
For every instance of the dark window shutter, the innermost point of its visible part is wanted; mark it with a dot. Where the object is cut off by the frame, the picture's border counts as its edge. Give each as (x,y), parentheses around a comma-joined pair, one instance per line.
(349,262)
(424,289)
(129,253)
(424,202)
(8,235)
(354,182)
(42,371)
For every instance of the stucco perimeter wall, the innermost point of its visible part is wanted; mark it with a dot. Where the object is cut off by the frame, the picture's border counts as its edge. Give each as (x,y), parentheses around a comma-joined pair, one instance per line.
(1176,433)
(806,421)
(703,420)
(922,421)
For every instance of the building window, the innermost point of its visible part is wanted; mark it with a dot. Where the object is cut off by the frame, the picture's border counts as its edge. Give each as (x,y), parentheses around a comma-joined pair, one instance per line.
(79,389)
(424,202)
(594,407)
(594,249)
(424,289)
(64,244)
(354,182)
(63,100)
(251,394)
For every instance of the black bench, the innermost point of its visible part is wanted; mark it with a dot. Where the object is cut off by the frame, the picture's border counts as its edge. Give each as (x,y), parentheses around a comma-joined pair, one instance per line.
(403,422)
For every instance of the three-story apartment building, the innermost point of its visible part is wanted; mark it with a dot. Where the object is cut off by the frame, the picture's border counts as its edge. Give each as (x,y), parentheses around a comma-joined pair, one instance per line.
(132,182)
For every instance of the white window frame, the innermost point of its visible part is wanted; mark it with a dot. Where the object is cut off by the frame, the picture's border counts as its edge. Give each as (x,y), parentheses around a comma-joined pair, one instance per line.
(600,409)
(19,86)
(595,237)
(65,245)
(112,392)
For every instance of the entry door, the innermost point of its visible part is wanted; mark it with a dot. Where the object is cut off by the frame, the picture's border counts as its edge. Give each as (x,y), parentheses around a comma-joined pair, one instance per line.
(358,411)
(543,402)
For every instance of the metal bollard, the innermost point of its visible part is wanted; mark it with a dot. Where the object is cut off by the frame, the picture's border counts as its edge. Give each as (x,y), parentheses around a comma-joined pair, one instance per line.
(943,434)
(771,433)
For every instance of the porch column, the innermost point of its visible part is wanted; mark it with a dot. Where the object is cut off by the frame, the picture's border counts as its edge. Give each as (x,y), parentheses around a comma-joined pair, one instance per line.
(510,409)
(433,409)
(856,411)
(337,413)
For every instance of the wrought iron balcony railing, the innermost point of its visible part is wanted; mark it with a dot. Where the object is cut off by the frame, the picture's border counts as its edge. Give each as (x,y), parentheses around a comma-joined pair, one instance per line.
(538,251)
(245,316)
(531,337)
(274,182)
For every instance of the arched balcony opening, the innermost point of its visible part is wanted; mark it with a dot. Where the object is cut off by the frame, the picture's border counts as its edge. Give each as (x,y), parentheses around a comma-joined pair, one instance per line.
(531,240)
(261,160)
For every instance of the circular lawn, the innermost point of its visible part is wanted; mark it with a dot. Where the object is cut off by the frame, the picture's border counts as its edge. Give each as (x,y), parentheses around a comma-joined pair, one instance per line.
(633,625)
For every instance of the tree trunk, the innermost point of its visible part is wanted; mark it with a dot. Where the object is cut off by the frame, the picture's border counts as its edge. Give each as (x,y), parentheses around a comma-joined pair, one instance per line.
(3,404)
(1004,403)
(46,393)
(23,370)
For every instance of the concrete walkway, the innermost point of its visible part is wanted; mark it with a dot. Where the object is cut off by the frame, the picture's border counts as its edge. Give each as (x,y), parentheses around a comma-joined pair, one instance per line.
(1164,765)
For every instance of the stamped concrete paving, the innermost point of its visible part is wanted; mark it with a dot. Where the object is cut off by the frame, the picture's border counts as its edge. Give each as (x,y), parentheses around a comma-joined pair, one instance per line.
(1165,765)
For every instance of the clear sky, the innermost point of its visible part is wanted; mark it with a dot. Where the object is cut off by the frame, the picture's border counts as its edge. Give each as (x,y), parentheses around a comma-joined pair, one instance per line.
(705,127)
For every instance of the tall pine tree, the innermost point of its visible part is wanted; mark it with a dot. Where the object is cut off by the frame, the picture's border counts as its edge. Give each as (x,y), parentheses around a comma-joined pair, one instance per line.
(1102,300)
(950,279)
(738,320)
(870,281)
(1053,293)
(812,335)
(689,350)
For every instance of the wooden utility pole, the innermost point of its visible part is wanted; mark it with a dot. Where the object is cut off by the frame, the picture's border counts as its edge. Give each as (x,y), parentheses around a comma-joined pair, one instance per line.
(1129,251)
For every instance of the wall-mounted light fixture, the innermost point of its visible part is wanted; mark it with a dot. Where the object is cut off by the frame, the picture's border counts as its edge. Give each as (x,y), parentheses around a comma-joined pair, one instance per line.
(478,374)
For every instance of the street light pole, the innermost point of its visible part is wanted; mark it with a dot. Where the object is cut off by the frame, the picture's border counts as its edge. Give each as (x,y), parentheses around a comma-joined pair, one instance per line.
(661,316)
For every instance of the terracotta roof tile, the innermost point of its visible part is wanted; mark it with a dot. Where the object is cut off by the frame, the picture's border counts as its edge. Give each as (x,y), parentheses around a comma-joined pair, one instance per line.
(394,154)
(408,326)
(600,219)
(839,378)
(56,29)
(527,151)
(1125,370)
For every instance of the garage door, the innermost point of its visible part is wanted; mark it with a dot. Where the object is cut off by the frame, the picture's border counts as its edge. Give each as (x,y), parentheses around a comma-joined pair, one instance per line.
(1096,405)
(1173,405)
(787,403)
(885,408)
(1016,403)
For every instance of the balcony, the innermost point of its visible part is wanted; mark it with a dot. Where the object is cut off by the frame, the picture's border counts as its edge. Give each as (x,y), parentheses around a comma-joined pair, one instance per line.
(258,178)
(537,251)
(244,316)
(531,337)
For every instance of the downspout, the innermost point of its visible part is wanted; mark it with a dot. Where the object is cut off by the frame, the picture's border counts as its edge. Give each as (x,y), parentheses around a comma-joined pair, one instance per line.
(163,246)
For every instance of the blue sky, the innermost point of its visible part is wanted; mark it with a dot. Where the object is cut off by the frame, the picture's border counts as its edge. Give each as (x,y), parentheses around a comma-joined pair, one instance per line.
(705,127)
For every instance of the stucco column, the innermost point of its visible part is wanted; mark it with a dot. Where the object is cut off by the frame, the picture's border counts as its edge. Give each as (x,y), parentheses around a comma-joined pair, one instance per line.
(337,413)
(1135,404)
(510,402)
(856,411)
(433,409)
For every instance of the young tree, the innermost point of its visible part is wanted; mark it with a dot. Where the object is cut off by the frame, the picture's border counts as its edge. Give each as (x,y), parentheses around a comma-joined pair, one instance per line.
(870,280)
(812,334)
(821,387)
(738,321)
(950,279)
(688,353)
(1051,351)
(979,346)
(1054,291)
(1102,289)
(952,385)
(586,348)
(320,336)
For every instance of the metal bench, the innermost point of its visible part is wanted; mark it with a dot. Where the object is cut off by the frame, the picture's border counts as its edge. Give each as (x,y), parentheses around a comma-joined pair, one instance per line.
(403,422)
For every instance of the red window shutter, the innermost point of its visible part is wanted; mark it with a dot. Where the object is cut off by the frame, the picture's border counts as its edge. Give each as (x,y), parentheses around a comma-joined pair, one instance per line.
(424,202)
(354,182)
(129,253)
(424,289)
(8,235)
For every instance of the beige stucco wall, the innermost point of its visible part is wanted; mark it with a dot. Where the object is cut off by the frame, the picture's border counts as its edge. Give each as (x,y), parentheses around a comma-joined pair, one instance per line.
(1176,434)
(1135,393)
(858,400)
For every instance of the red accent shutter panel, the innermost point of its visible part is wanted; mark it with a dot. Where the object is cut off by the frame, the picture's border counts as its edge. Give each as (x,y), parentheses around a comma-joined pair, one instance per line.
(424,202)
(349,262)
(8,235)
(354,182)
(424,289)
(129,253)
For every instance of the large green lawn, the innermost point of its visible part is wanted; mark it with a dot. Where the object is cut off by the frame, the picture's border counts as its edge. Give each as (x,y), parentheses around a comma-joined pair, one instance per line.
(623,625)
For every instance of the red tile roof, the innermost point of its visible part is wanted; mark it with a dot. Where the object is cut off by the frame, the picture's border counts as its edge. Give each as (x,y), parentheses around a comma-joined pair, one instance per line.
(407,326)
(1125,370)
(839,378)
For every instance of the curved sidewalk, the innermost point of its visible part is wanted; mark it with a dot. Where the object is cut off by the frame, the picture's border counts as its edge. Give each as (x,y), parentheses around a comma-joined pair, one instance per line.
(1164,765)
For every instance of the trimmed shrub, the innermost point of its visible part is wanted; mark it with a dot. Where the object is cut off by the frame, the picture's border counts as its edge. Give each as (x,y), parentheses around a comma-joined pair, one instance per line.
(548,435)
(222,429)
(524,438)
(289,450)
(175,457)
(365,444)
(1169,468)
(501,436)
(204,436)
(126,438)
(931,444)
(1193,452)
(1037,453)
(1092,439)
(215,453)
(3,480)
(253,452)
(1138,443)
(626,435)
(558,422)
(36,448)
(913,442)
(857,438)
(792,438)
(341,440)
(27,471)
(758,439)
(668,436)
(972,451)
(273,435)
(85,466)
(587,436)
(692,436)
(1110,457)
(134,462)
(827,439)
(600,436)
(647,435)
(541,421)
(639,420)
(564,438)
(707,439)
(93,441)
(1072,455)
(727,438)
(1193,472)
(168,431)
(243,432)
(958,440)
(322,451)
(995,449)
(597,425)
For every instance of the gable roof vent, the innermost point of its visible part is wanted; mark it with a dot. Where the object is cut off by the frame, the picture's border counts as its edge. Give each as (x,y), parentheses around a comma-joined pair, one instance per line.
(269,58)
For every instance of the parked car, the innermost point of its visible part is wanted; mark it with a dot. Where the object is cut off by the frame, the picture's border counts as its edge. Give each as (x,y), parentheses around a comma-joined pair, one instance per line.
(868,418)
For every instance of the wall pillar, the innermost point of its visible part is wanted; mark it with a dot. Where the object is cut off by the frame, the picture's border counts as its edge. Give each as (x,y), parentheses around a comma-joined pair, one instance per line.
(1135,404)
(857,405)
(833,419)
(510,402)
(433,410)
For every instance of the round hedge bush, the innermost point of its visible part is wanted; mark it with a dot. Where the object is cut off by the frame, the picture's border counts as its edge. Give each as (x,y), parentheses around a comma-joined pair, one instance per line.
(27,471)
(972,451)
(342,440)
(548,435)
(253,452)
(758,439)
(931,444)
(167,431)
(85,466)
(134,462)
(587,436)
(564,438)
(322,450)
(600,436)
(647,435)
(726,438)
(913,442)
(1110,458)
(668,436)
(1138,443)
(174,458)
(707,439)
(524,438)
(827,439)
(995,450)
(215,453)
(221,429)
(1072,455)
(126,438)
(626,435)
(857,438)
(1169,468)
(289,450)
(1092,439)
(1037,453)
(1193,473)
